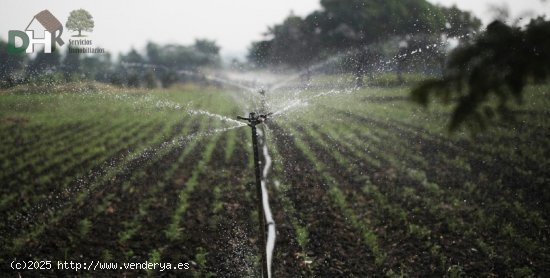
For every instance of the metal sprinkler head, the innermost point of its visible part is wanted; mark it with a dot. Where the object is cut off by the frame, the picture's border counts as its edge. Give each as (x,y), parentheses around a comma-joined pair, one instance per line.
(254,120)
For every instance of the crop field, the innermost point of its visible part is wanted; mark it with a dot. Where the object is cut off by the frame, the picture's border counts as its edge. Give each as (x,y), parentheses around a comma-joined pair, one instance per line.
(363,183)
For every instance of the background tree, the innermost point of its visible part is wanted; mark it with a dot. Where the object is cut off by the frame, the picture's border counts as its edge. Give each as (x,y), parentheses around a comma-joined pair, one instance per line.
(71,66)
(164,73)
(207,52)
(150,80)
(357,27)
(421,53)
(483,76)
(362,26)
(132,75)
(171,58)
(259,53)
(98,67)
(459,24)
(162,63)
(10,65)
(294,43)
(202,53)
(358,23)
(44,63)
(80,20)
(208,47)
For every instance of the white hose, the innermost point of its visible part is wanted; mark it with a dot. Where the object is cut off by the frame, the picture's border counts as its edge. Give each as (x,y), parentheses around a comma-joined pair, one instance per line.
(271,231)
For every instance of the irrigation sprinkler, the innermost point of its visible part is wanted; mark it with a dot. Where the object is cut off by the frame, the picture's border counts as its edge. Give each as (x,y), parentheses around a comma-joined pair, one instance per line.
(254,120)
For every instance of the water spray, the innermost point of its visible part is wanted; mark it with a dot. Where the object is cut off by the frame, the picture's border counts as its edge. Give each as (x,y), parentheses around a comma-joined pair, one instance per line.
(253,120)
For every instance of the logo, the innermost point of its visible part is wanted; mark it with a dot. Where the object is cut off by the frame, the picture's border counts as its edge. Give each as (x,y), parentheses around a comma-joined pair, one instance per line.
(80,20)
(44,28)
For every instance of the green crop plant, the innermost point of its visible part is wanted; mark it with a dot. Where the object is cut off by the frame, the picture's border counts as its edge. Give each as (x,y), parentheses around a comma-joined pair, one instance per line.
(84,227)
(154,257)
(339,199)
(174,230)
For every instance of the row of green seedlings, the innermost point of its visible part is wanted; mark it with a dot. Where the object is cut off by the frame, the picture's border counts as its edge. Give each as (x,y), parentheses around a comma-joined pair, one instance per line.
(338,197)
(175,232)
(43,188)
(34,156)
(54,216)
(365,227)
(43,129)
(220,192)
(37,135)
(167,177)
(51,213)
(483,154)
(429,191)
(526,155)
(45,132)
(85,225)
(78,161)
(201,253)
(485,148)
(403,123)
(344,155)
(488,223)
(69,133)
(74,158)
(436,208)
(417,160)
(508,145)
(43,160)
(131,227)
(459,162)
(38,199)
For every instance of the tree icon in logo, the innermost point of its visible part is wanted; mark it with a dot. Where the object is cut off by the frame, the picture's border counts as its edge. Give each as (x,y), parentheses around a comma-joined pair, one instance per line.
(80,20)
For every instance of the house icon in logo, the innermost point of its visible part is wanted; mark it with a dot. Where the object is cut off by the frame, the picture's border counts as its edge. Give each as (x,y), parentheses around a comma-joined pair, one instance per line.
(45,28)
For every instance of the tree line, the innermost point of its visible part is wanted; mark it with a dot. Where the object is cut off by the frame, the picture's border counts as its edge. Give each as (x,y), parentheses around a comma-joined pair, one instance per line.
(368,30)
(158,66)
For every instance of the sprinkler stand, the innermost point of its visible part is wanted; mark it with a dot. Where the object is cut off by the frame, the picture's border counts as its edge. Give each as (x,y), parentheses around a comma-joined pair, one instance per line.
(254,120)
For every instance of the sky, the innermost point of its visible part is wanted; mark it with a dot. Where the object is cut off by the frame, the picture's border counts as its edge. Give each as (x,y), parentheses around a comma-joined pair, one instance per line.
(123,24)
